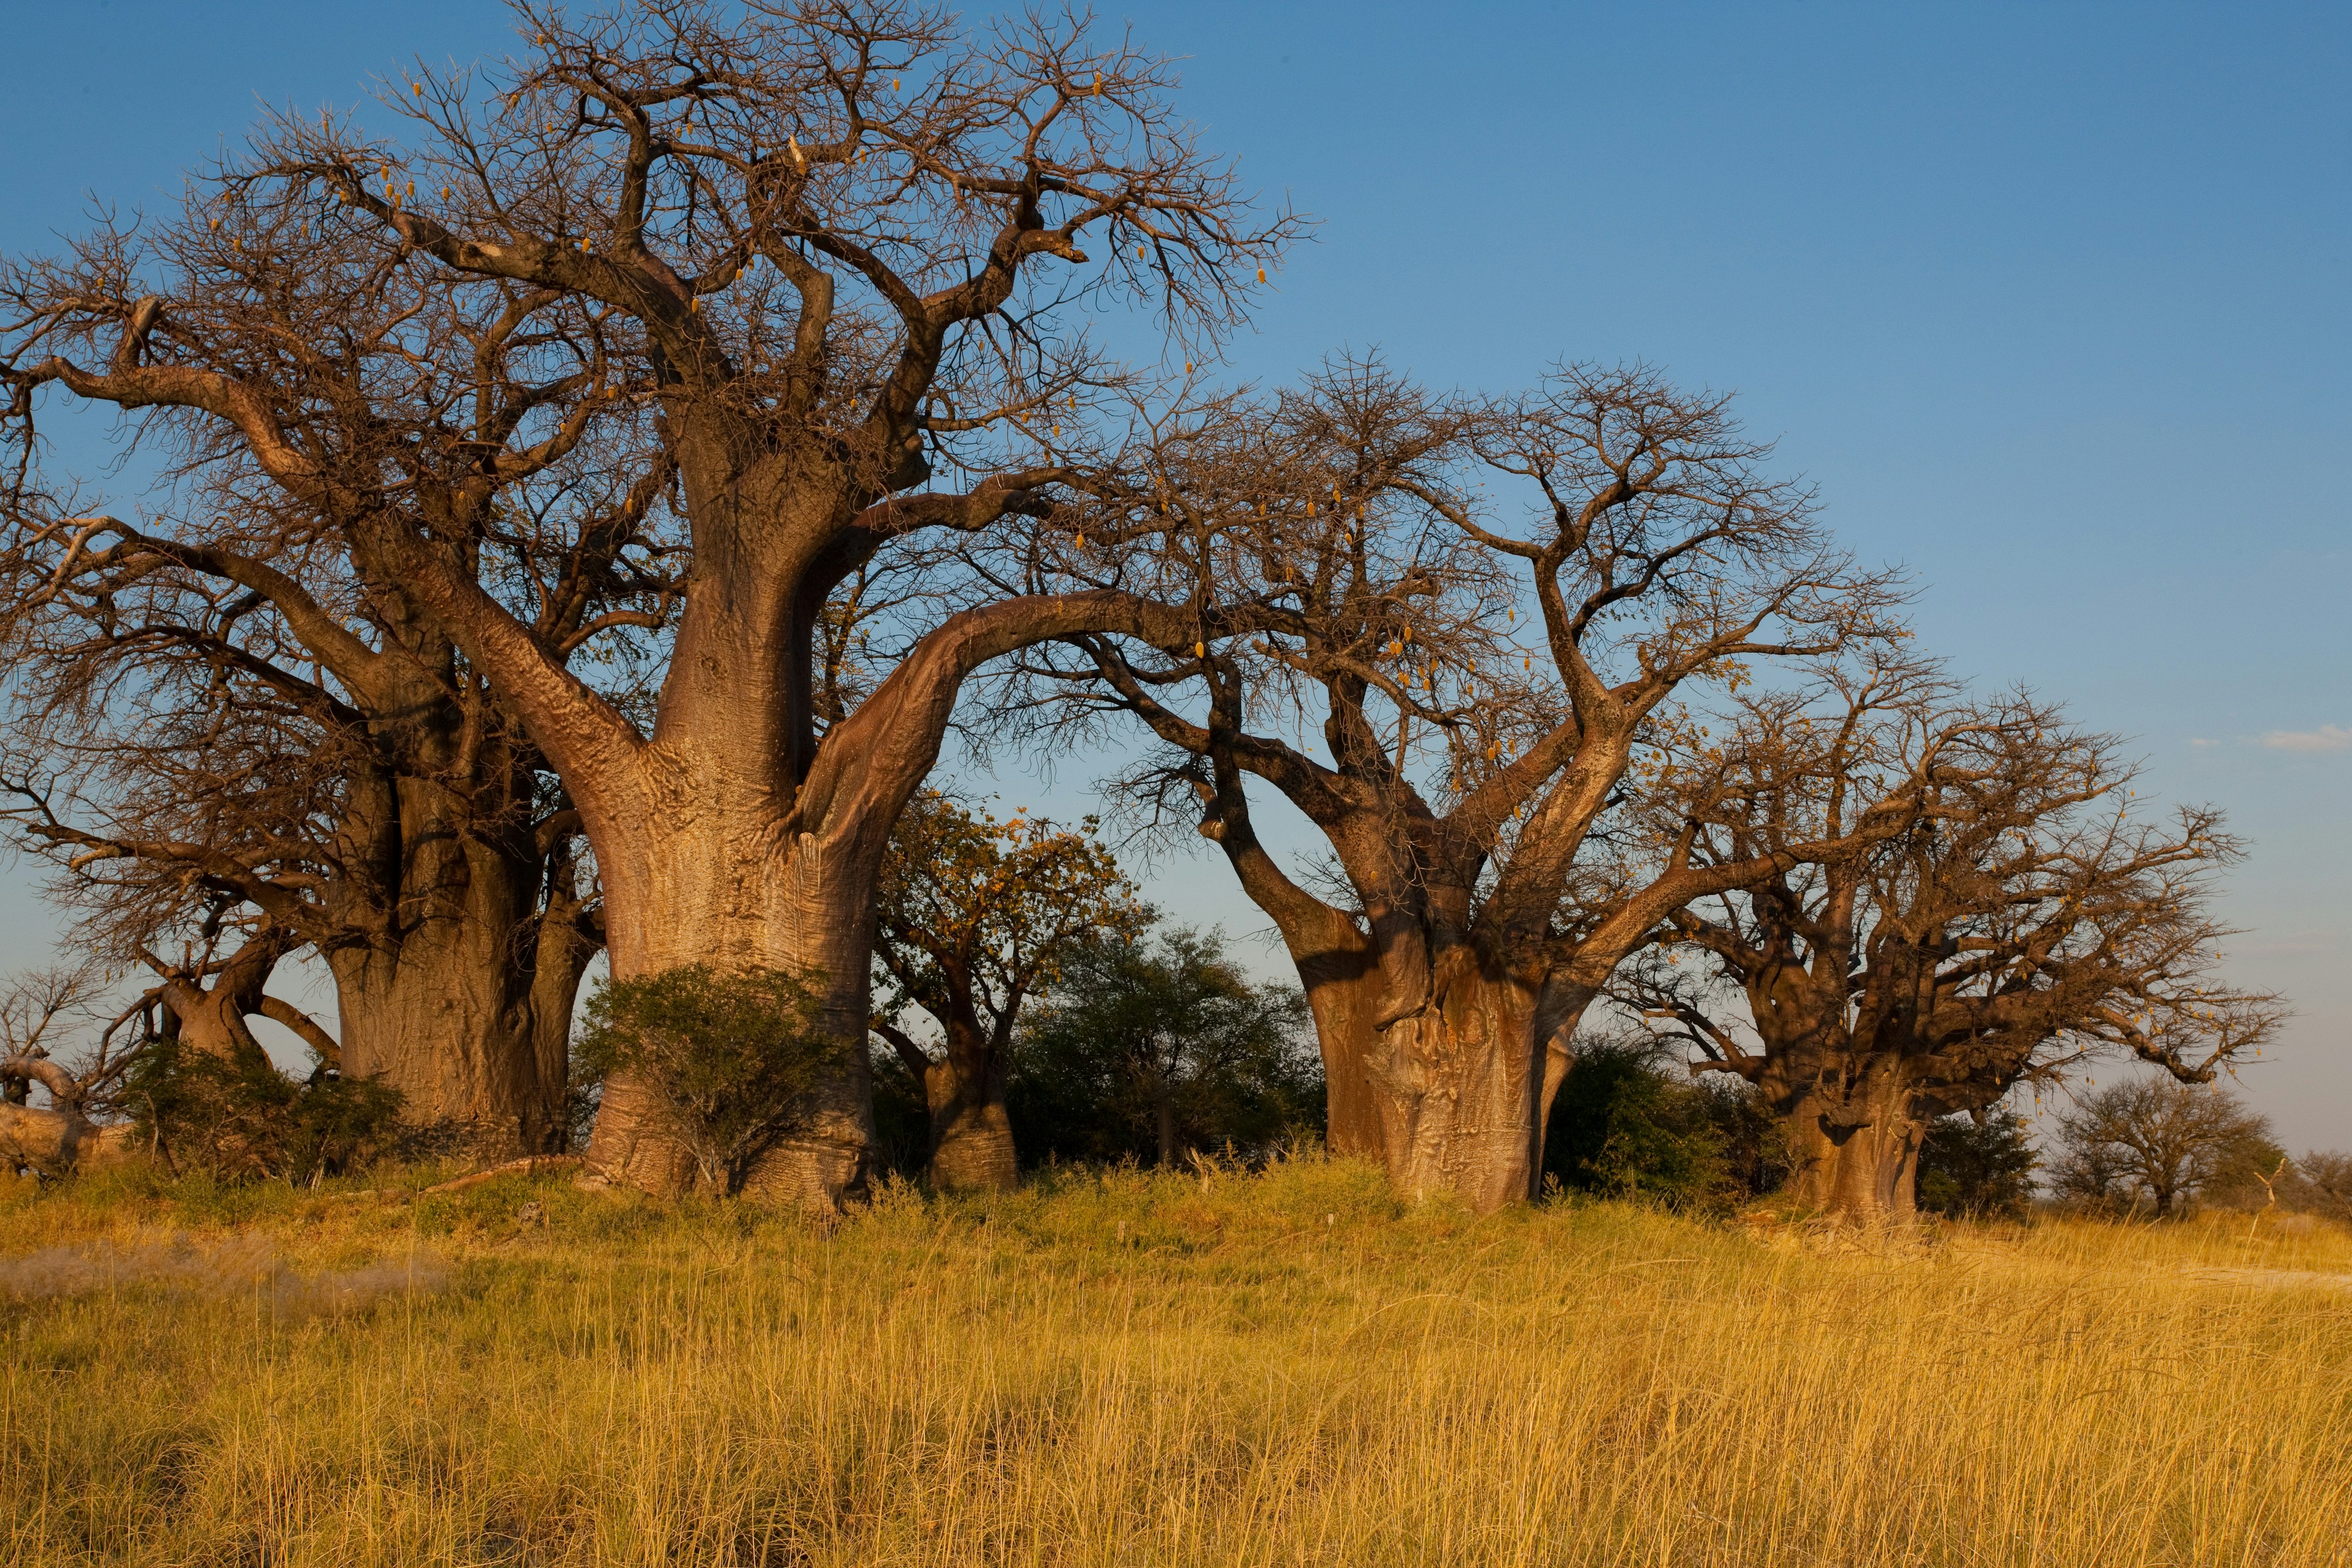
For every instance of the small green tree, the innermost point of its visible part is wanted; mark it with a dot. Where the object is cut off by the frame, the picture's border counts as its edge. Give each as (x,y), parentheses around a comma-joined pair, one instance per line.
(1155,1048)
(239,1119)
(1624,1124)
(975,919)
(1976,1169)
(731,1057)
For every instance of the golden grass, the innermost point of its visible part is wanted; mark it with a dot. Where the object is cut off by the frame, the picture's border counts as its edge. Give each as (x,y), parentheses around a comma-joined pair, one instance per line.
(1144,1369)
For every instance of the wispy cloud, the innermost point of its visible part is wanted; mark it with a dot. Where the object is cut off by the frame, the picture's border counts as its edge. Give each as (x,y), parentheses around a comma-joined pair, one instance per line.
(2326,737)
(2201,743)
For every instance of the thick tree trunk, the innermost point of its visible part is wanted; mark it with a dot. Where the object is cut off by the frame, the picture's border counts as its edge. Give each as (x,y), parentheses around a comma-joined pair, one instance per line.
(971,1132)
(457,1009)
(1343,993)
(212,1018)
(455,1035)
(1858,1166)
(463,1023)
(722,889)
(1458,1084)
(448,986)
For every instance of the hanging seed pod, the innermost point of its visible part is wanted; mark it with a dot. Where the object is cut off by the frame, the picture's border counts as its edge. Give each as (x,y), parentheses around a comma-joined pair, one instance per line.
(1097,84)
(1200,650)
(1261,274)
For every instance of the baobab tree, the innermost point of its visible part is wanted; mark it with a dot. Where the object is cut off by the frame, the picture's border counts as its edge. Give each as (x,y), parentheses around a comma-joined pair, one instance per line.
(199,1009)
(1477,903)
(975,919)
(227,704)
(2022,924)
(824,227)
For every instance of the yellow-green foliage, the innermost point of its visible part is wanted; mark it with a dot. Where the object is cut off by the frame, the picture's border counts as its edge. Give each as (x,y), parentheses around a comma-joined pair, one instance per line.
(1136,1369)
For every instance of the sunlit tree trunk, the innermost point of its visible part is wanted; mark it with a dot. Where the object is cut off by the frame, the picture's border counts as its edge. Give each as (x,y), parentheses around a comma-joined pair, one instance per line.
(1456,1085)
(1855,1161)
(211,1019)
(442,985)
(971,1132)
(708,891)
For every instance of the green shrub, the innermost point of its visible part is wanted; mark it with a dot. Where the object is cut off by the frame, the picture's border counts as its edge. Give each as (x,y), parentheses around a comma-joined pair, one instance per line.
(1150,1050)
(242,1119)
(1626,1124)
(1977,1172)
(729,1057)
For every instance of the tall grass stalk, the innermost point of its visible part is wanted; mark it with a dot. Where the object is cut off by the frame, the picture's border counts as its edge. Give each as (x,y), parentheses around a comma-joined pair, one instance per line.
(1224,1369)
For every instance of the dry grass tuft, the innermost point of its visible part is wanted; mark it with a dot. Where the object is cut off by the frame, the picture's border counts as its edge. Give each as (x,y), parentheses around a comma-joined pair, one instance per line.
(1130,1369)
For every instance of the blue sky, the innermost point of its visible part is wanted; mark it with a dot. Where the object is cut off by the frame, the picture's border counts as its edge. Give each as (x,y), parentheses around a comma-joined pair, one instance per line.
(2049,300)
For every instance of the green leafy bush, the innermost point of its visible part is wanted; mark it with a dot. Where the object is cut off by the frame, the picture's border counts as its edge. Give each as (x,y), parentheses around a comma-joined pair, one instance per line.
(243,1119)
(1147,1050)
(1625,1124)
(729,1056)
(1977,1172)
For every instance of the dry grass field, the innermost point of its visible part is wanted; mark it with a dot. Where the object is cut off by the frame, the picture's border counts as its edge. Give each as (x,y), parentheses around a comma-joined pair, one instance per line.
(1223,1370)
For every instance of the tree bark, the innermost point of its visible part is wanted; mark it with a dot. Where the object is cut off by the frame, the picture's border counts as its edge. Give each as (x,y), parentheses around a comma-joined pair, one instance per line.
(56,1142)
(468,1014)
(1857,1164)
(971,1132)
(721,887)
(212,1018)
(1458,1085)
(1343,993)
(459,991)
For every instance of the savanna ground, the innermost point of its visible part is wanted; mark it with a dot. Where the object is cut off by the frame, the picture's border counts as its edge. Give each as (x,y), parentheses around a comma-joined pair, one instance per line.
(1132,1368)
